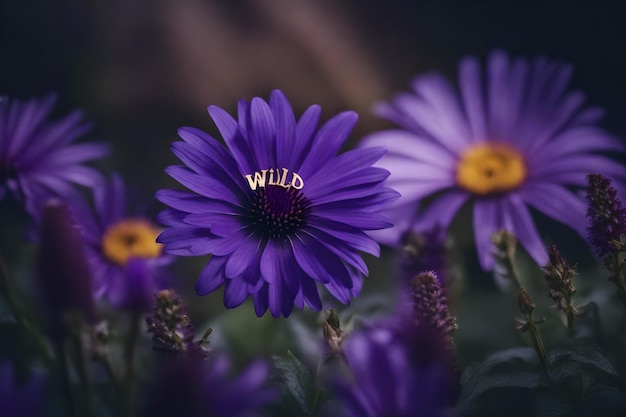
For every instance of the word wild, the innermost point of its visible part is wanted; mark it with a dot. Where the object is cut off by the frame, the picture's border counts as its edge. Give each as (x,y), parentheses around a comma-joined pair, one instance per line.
(260,179)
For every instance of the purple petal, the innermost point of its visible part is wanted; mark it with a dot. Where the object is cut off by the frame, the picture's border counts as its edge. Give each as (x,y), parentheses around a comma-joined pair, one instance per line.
(328,141)
(212,276)
(285,126)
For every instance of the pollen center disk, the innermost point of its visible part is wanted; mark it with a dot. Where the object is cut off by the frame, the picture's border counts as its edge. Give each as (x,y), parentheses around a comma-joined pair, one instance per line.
(276,212)
(489,168)
(130,238)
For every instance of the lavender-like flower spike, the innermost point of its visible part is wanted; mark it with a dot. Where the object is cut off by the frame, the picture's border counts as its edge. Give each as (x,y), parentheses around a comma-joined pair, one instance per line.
(606,215)
(193,387)
(64,273)
(430,304)
(398,369)
(560,279)
(171,328)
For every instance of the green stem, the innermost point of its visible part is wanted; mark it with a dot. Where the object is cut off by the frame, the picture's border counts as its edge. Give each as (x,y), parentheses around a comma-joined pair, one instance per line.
(537,342)
(82,367)
(569,312)
(65,380)
(129,358)
(511,267)
(318,391)
(108,368)
(17,311)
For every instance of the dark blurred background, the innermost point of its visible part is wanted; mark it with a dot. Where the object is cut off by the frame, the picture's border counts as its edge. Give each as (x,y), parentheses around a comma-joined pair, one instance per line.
(142,68)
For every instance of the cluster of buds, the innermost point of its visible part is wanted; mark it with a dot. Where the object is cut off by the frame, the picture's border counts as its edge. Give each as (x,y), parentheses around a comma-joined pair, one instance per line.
(527,307)
(430,304)
(607,217)
(559,278)
(171,328)
(607,228)
(334,335)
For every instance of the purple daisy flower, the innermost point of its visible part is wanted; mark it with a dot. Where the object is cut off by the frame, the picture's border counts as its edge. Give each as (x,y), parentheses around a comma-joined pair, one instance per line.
(194,387)
(277,209)
(518,140)
(125,259)
(404,371)
(37,159)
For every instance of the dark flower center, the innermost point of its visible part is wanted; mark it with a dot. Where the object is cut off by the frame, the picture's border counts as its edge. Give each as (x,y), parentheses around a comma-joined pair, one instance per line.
(277,212)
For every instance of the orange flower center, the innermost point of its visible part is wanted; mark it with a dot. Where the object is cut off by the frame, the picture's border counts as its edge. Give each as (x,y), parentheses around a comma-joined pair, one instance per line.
(489,168)
(130,238)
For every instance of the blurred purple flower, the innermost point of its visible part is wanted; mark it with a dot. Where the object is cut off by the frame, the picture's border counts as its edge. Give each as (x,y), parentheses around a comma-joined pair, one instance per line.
(398,370)
(64,273)
(193,387)
(519,139)
(607,217)
(37,159)
(424,250)
(126,261)
(276,208)
(20,396)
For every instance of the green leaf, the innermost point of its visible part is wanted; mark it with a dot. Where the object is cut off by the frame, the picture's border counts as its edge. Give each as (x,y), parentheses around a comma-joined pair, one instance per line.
(511,359)
(297,383)
(505,369)
(581,365)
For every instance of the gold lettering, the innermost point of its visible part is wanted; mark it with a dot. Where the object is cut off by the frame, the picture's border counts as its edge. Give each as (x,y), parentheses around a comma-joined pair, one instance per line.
(297,182)
(259,179)
(284,178)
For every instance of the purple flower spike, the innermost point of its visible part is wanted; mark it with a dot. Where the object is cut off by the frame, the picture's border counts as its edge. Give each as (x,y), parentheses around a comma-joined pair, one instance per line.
(397,372)
(37,158)
(606,215)
(64,273)
(516,138)
(194,387)
(126,261)
(277,209)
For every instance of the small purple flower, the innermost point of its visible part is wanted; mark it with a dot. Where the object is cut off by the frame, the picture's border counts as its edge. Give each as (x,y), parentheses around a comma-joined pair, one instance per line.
(125,259)
(20,395)
(515,140)
(37,159)
(403,371)
(277,209)
(171,328)
(606,215)
(430,304)
(193,387)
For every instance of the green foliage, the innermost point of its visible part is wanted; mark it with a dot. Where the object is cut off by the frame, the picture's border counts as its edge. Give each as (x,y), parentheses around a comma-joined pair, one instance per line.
(298,391)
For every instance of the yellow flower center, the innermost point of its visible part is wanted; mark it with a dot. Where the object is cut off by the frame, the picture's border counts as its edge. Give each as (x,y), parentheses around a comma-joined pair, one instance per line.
(489,167)
(130,238)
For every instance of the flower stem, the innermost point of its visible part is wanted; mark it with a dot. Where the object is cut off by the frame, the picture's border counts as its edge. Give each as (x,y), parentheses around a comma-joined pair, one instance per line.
(537,342)
(318,391)
(17,311)
(82,367)
(66,384)
(569,313)
(129,357)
